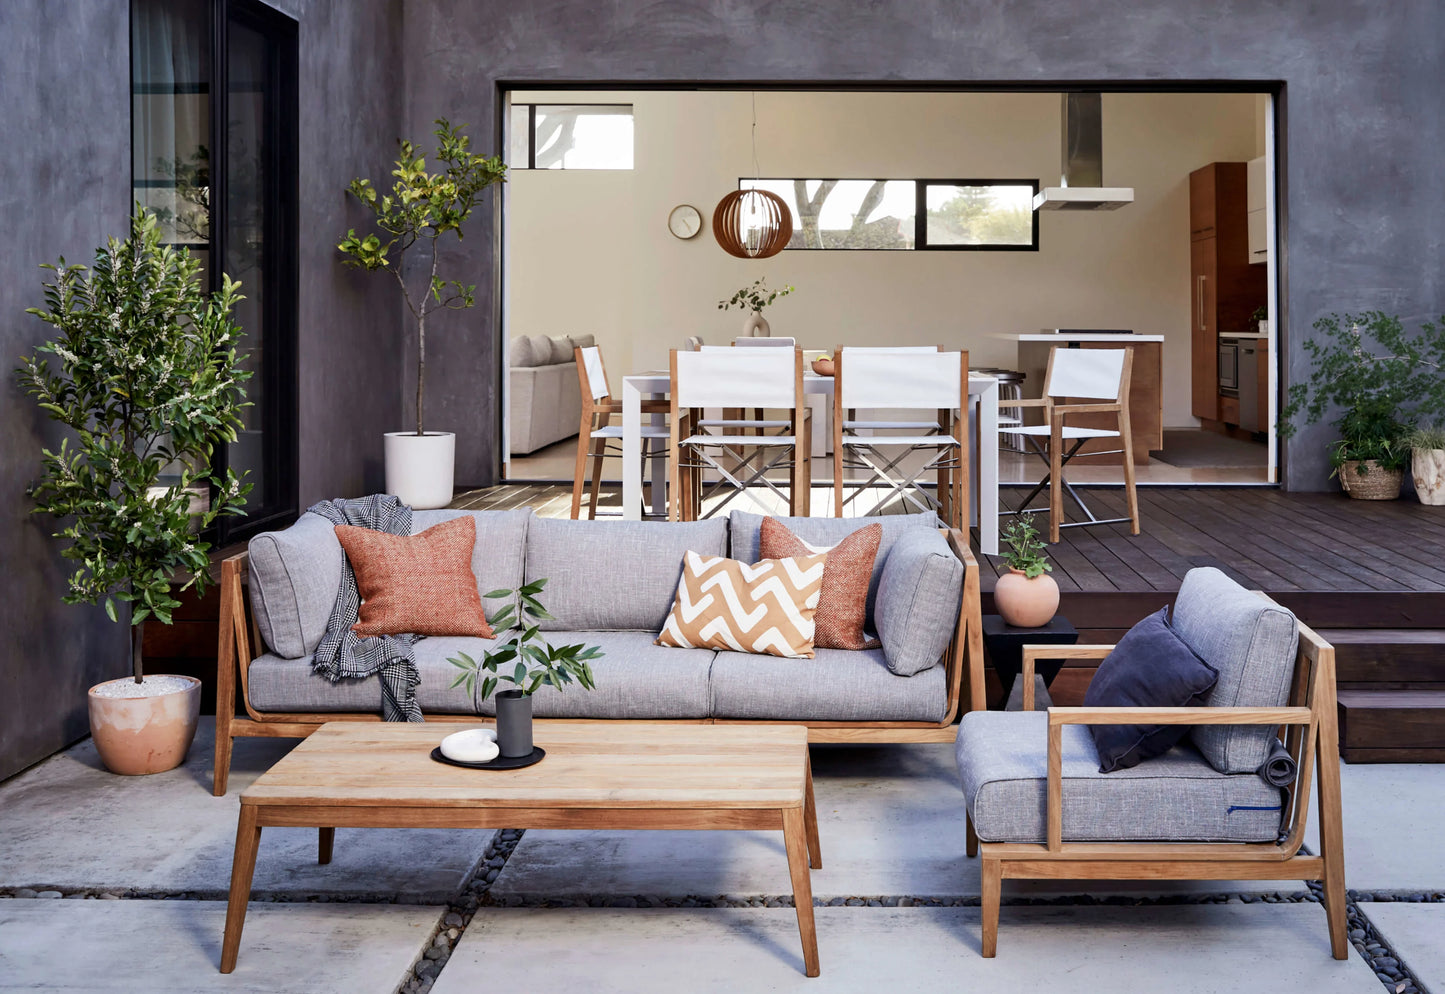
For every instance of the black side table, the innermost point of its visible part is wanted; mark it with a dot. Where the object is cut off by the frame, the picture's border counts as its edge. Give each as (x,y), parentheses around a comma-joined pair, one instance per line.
(1005,647)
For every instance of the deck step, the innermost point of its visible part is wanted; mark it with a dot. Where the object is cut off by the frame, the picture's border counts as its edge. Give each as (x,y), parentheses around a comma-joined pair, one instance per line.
(1392,726)
(1388,655)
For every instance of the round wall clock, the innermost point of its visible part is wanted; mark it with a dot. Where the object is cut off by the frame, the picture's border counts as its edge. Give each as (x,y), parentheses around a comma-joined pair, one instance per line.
(684,221)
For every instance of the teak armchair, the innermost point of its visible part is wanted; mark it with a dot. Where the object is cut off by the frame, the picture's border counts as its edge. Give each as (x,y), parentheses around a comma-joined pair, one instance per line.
(596,431)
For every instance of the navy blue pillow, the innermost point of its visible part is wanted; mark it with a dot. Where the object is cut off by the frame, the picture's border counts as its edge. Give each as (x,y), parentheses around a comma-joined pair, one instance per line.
(1151,667)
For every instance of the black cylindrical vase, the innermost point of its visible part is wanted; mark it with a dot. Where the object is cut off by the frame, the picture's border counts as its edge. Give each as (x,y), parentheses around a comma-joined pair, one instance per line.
(514,724)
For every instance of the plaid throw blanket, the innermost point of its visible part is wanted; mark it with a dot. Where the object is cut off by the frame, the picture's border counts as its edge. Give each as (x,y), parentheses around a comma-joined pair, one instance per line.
(343,654)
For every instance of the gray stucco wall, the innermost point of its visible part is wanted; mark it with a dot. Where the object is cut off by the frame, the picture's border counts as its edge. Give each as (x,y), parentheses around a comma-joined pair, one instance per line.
(1361,79)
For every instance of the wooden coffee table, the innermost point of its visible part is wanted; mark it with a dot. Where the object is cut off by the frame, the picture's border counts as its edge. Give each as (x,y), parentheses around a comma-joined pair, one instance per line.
(596,775)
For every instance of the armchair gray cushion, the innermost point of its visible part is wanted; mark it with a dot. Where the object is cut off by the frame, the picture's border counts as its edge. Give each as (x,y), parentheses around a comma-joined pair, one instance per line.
(295,574)
(1177,797)
(919,597)
(1252,643)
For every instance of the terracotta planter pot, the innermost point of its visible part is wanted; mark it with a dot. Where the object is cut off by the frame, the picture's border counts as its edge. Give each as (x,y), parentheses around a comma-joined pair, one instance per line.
(140,735)
(1428,469)
(1375,484)
(1026,603)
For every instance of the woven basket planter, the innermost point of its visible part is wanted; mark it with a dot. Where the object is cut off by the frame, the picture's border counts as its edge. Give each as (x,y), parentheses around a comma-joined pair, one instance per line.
(1375,484)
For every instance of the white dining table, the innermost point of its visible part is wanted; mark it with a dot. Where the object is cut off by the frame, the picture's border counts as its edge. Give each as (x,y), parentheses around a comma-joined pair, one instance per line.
(983,415)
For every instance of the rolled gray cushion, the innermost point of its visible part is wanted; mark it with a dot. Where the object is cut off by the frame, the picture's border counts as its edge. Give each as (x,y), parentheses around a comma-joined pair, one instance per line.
(561,348)
(498,552)
(541,349)
(521,355)
(919,596)
(744,530)
(1252,643)
(582,341)
(614,575)
(1002,765)
(295,574)
(836,685)
(635,679)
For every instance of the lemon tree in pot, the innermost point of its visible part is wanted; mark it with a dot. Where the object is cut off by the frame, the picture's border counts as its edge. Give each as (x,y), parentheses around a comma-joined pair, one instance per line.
(144,372)
(1376,378)
(1026,596)
(411,220)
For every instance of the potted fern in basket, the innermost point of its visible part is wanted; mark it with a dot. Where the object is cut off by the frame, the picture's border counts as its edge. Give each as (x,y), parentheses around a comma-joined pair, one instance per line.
(1026,596)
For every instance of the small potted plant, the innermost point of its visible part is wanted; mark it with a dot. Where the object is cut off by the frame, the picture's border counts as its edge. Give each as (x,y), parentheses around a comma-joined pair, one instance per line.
(1026,596)
(421,208)
(555,666)
(1427,446)
(1260,319)
(146,375)
(753,298)
(1378,379)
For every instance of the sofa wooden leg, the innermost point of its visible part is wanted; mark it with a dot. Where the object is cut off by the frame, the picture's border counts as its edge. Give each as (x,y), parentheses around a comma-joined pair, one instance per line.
(970,842)
(991,895)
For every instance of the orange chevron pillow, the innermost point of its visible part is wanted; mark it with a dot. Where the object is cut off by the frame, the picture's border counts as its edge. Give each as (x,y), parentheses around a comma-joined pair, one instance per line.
(762,608)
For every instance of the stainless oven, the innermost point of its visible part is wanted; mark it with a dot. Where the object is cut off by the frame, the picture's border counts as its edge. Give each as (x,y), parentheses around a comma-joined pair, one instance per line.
(1229,366)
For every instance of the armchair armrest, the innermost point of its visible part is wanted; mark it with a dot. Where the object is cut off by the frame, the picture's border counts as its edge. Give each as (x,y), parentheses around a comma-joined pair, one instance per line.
(1059,717)
(1033,653)
(1061,409)
(1036,402)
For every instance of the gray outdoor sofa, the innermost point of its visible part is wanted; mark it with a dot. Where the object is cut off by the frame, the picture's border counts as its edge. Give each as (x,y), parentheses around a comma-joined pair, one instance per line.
(611,584)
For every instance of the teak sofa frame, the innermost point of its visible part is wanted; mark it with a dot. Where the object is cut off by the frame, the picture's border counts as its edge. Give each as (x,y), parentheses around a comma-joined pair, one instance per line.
(240,637)
(1312,738)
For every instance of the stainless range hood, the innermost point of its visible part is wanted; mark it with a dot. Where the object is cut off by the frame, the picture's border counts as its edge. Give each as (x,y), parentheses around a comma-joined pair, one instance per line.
(1082,187)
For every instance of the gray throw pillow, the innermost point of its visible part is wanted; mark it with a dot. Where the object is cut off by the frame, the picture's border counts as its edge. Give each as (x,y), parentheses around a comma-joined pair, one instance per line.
(919,595)
(521,354)
(561,349)
(542,349)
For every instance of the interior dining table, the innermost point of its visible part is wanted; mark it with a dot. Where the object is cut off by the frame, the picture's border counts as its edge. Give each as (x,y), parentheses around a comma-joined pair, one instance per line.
(983,419)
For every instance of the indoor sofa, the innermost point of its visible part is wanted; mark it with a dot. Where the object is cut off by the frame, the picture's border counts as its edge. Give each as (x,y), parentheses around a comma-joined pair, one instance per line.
(611,584)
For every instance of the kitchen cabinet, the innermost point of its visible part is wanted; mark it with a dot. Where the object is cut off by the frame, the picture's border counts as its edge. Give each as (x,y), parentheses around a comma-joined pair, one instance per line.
(1254,204)
(1224,288)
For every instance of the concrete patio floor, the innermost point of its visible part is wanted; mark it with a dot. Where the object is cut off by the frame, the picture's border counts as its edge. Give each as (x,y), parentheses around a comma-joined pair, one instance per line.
(605,911)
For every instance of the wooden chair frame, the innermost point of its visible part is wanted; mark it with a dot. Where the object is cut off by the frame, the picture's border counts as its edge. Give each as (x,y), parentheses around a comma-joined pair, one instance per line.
(240,638)
(1054,415)
(596,413)
(1311,737)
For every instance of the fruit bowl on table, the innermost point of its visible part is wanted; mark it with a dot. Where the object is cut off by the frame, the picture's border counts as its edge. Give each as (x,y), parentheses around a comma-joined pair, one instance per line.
(823,365)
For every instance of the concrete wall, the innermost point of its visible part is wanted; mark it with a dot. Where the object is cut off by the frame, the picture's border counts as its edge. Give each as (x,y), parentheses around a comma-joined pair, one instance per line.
(1362,147)
(589,251)
(66,80)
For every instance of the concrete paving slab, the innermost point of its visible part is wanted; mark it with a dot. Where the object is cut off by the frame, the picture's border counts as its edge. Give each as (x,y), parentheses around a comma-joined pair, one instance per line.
(67,823)
(174,947)
(1385,806)
(1416,932)
(891,821)
(1194,948)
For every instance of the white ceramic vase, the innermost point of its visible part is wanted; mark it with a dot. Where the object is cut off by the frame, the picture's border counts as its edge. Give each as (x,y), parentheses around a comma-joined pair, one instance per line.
(1428,469)
(420,468)
(756,326)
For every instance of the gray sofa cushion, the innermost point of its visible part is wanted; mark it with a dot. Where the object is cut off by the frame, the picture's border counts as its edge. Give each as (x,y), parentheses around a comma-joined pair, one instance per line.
(521,355)
(614,575)
(295,574)
(1179,796)
(744,529)
(561,347)
(1252,643)
(919,595)
(635,679)
(497,555)
(836,685)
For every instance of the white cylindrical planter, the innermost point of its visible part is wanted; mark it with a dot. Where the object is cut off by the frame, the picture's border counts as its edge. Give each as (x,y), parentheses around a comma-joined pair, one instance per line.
(1429,473)
(419,468)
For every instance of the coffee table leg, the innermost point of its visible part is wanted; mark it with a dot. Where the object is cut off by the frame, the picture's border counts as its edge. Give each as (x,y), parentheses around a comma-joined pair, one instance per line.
(243,866)
(795,839)
(326,838)
(810,819)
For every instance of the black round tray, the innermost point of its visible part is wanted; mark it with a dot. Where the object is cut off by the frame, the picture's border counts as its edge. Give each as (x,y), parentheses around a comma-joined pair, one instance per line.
(500,763)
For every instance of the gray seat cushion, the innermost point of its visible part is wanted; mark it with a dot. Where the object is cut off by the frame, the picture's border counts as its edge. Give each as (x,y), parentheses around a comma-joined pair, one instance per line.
(635,679)
(1002,765)
(744,530)
(614,575)
(836,685)
(296,572)
(1252,643)
(920,594)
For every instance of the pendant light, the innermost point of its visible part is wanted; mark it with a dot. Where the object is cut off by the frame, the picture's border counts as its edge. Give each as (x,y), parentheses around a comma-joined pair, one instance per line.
(752,224)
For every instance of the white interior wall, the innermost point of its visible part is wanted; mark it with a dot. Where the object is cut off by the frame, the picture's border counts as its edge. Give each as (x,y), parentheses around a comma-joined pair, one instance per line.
(589,251)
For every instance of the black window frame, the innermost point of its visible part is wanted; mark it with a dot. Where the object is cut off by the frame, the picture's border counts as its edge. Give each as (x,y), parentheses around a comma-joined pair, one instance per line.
(920,217)
(531,163)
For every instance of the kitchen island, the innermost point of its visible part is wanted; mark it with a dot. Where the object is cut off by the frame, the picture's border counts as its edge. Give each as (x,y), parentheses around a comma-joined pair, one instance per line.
(1146,396)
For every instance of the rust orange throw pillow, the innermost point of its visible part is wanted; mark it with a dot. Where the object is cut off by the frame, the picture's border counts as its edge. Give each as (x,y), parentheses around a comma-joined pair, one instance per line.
(419,584)
(844,601)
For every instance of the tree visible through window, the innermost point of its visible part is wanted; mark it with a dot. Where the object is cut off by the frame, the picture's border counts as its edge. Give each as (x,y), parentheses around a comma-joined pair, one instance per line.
(571,136)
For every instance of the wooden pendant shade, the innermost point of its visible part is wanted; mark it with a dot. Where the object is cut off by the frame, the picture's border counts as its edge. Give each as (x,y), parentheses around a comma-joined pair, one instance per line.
(767,237)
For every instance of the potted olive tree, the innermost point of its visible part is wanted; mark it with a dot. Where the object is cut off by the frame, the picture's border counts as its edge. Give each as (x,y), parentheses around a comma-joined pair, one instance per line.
(421,208)
(555,666)
(1377,379)
(753,298)
(144,371)
(1026,596)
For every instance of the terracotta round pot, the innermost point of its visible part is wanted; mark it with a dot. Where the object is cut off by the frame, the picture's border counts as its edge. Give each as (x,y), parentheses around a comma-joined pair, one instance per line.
(140,735)
(1026,603)
(823,366)
(1428,468)
(1374,484)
